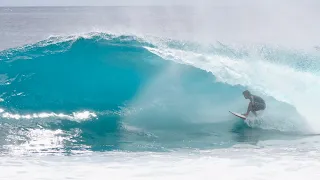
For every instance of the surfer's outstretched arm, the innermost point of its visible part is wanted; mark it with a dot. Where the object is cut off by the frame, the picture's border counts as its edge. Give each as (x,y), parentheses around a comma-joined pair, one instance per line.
(248,109)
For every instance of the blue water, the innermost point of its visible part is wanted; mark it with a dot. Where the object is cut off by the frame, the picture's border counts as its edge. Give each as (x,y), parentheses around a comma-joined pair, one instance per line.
(135,99)
(150,79)
(140,92)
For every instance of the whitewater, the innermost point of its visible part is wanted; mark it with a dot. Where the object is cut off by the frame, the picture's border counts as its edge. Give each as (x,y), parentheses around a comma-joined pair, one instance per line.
(145,93)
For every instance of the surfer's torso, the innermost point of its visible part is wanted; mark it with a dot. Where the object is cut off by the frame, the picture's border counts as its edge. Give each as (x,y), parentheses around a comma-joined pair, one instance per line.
(257,103)
(257,99)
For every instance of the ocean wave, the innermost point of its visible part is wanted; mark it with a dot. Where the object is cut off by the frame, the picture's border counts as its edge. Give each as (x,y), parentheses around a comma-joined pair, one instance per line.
(107,92)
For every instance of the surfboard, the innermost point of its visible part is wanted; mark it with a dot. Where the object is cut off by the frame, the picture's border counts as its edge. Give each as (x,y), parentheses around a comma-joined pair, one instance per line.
(238,115)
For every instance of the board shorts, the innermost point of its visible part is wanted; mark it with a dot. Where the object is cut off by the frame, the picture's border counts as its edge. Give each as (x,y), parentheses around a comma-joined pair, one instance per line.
(258,106)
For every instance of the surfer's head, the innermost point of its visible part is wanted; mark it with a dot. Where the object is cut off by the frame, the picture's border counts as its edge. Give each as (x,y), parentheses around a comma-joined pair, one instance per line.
(246,94)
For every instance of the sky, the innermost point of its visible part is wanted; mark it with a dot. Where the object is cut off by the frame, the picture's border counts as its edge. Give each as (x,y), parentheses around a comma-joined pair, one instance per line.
(242,3)
(288,21)
(152,2)
(138,2)
(88,2)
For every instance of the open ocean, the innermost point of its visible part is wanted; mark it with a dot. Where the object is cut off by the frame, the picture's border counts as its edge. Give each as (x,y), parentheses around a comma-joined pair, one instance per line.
(144,93)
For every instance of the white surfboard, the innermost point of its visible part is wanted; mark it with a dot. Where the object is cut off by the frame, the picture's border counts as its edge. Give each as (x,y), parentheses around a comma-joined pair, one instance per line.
(238,115)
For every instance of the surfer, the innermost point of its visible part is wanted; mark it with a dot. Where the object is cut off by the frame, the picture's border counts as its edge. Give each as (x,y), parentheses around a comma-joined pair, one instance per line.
(256,103)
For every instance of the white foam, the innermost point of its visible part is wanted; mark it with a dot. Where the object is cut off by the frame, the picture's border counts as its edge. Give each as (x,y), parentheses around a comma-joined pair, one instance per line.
(227,164)
(83,115)
(77,116)
(281,82)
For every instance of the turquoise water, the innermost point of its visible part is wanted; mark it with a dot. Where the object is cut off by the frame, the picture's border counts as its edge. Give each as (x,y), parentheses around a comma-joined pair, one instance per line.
(145,92)
(102,92)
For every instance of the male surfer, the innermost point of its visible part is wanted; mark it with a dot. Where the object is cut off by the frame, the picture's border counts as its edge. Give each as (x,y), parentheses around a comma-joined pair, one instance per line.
(256,103)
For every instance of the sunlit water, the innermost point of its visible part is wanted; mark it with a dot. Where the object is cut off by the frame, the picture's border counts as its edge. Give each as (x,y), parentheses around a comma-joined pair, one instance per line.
(144,93)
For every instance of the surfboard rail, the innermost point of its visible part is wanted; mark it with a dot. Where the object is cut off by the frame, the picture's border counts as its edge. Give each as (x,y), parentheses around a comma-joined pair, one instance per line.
(238,115)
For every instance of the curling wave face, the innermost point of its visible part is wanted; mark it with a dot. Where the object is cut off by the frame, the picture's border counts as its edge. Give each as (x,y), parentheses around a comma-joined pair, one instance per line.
(103,92)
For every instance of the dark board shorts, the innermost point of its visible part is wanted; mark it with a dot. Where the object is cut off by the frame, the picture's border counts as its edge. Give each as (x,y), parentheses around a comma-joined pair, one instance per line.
(258,106)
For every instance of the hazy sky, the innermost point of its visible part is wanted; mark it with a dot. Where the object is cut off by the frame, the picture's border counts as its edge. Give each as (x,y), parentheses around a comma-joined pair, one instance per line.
(283,21)
(87,2)
(137,2)
(151,2)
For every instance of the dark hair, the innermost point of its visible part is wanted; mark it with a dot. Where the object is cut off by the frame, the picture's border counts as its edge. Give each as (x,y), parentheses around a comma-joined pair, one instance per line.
(246,92)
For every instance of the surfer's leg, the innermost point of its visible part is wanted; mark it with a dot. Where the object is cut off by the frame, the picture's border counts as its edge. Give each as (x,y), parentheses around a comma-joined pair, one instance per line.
(257,107)
(255,113)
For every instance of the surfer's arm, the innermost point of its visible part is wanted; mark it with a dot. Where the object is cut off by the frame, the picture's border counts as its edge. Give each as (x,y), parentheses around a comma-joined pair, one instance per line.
(248,109)
(249,106)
